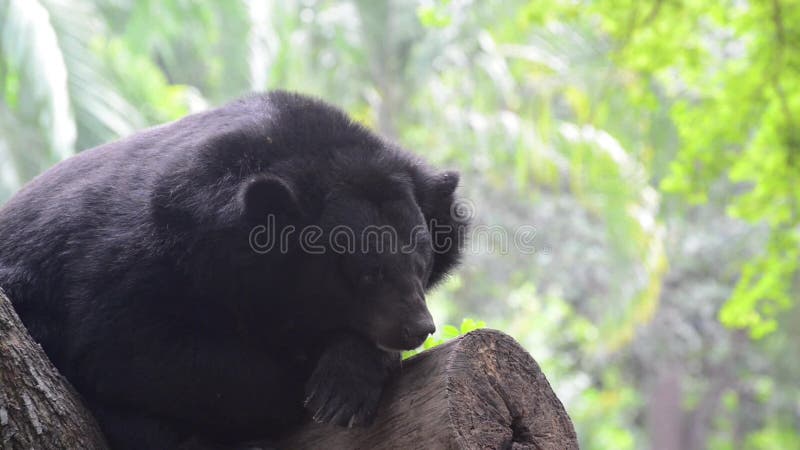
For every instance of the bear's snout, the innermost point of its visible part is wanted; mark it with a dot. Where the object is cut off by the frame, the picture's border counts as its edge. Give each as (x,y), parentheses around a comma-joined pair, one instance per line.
(416,332)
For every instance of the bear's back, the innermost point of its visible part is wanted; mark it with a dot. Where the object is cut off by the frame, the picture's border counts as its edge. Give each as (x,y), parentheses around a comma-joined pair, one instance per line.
(113,183)
(92,215)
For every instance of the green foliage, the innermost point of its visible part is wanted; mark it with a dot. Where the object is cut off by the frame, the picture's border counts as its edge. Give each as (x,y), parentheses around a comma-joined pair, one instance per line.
(601,414)
(434,15)
(735,70)
(159,101)
(447,333)
(774,436)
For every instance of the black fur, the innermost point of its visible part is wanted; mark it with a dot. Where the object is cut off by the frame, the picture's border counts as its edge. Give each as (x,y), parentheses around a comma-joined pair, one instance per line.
(131,264)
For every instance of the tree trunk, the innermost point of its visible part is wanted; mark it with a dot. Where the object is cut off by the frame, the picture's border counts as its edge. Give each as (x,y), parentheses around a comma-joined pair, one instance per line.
(480,391)
(38,407)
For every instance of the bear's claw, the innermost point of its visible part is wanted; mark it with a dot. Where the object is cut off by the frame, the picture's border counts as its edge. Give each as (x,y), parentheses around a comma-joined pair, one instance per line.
(342,402)
(346,386)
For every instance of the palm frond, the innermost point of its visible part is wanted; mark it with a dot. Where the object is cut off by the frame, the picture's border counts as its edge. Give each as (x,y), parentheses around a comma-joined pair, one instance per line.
(102,113)
(29,46)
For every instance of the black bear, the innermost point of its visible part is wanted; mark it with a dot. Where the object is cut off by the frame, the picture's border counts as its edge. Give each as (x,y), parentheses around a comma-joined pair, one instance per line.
(222,277)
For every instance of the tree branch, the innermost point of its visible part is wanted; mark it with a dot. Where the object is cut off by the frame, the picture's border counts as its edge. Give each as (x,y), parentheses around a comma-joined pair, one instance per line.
(479,391)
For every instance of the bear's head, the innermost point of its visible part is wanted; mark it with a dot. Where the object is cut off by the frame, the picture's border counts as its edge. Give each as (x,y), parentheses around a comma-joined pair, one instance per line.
(373,230)
(359,229)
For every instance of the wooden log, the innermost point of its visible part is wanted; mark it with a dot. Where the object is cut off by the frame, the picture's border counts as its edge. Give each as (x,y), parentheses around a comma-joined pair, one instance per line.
(481,391)
(39,409)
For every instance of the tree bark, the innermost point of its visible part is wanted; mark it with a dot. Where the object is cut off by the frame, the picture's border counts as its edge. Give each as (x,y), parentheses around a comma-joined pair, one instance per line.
(39,409)
(479,391)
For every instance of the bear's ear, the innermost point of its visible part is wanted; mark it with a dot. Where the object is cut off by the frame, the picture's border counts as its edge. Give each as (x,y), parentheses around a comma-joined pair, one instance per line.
(268,194)
(447,227)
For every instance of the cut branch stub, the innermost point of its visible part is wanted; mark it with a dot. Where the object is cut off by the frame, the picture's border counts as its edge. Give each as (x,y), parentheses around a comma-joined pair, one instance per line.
(481,391)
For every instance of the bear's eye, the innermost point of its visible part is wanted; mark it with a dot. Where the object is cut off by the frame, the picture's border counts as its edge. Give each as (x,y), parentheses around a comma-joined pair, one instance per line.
(372,276)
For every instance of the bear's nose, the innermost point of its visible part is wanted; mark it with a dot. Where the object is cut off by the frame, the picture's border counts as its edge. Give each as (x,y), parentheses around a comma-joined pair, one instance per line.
(420,329)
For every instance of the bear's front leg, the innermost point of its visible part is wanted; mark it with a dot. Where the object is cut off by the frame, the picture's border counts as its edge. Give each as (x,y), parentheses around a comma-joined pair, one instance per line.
(346,385)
